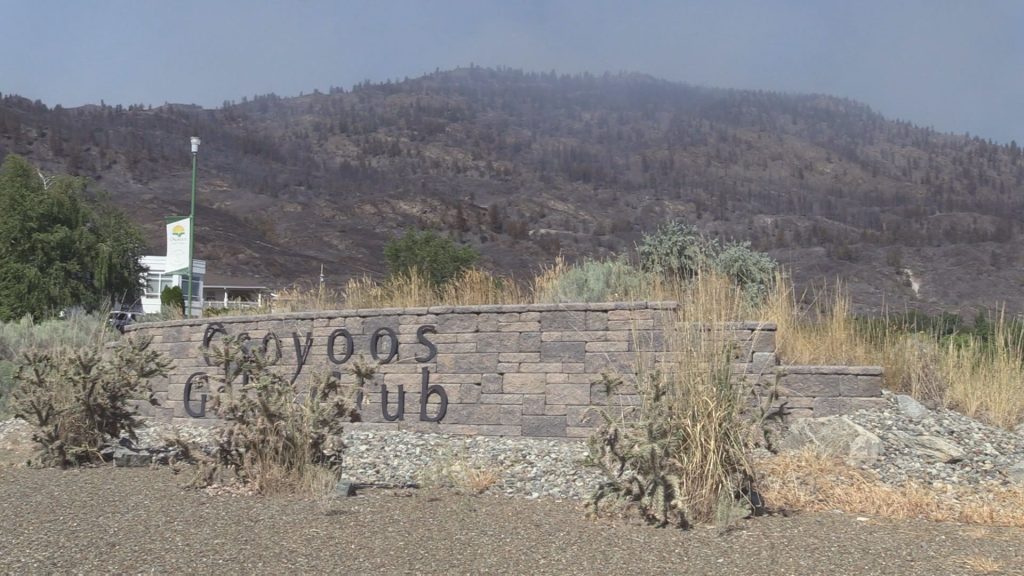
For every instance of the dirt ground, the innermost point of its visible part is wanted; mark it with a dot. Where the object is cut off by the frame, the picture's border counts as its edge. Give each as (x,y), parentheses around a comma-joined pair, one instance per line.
(106,520)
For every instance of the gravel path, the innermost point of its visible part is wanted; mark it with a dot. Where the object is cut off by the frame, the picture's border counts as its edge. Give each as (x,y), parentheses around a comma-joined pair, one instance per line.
(111,520)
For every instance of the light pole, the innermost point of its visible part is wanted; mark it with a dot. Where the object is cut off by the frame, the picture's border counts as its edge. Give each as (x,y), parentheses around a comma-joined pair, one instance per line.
(191,224)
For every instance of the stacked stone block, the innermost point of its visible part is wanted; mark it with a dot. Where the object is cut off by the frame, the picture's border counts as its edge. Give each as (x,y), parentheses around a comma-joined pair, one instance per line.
(512,370)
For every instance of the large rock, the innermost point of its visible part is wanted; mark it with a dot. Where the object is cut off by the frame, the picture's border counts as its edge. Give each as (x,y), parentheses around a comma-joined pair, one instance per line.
(1019,429)
(1016,473)
(934,448)
(911,407)
(834,436)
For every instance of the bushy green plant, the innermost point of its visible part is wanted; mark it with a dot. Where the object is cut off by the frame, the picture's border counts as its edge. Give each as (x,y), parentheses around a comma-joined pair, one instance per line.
(79,399)
(751,270)
(58,248)
(274,438)
(676,249)
(680,250)
(596,281)
(173,298)
(437,257)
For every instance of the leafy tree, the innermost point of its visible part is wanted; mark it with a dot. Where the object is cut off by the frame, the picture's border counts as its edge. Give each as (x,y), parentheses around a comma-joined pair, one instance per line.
(58,249)
(437,257)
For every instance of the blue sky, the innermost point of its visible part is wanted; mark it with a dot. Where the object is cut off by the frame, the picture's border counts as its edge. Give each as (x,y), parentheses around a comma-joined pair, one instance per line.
(955,66)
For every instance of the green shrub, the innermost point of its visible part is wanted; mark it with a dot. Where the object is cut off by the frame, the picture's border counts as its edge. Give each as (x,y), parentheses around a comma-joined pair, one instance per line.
(437,257)
(679,250)
(676,249)
(173,298)
(271,441)
(596,281)
(751,270)
(80,399)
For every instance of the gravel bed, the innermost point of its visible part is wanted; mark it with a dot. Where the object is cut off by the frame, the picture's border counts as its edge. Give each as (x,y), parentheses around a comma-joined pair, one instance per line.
(538,468)
(525,467)
(989,452)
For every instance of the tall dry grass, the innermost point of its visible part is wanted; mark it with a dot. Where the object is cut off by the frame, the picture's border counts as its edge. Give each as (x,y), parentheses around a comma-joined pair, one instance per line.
(983,379)
(681,455)
(809,481)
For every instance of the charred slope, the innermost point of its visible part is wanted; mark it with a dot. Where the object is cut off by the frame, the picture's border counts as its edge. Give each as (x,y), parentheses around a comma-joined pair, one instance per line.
(525,166)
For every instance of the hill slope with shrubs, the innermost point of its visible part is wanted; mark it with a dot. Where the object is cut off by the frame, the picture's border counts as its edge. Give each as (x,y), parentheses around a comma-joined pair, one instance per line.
(525,166)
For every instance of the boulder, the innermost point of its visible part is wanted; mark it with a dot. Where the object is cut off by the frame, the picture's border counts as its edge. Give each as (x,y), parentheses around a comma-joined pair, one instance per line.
(910,407)
(834,436)
(934,448)
(125,457)
(1019,429)
(1016,473)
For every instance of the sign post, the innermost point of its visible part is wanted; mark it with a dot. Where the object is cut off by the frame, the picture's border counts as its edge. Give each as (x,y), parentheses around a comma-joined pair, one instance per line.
(191,220)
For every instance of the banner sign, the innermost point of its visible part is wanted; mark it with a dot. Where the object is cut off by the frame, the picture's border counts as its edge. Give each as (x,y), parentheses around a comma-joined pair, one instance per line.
(177,246)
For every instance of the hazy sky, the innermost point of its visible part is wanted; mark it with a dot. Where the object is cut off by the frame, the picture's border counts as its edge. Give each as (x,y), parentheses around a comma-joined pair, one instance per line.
(955,66)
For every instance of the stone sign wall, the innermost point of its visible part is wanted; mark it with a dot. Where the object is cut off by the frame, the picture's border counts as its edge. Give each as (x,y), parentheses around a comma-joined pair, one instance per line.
(515,370)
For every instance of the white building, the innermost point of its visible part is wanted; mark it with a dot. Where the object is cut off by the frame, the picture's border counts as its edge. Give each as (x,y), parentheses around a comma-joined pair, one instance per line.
(157,280)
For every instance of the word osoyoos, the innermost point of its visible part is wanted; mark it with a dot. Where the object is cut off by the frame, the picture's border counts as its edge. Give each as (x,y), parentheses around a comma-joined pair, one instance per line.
(383,349)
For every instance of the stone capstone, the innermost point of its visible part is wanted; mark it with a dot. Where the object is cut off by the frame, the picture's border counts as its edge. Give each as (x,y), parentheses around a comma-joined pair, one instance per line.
(836,436)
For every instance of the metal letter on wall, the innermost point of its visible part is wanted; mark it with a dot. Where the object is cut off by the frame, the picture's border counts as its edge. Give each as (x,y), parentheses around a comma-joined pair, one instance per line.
(400,414)
(426,389)
(421,337)
(187,397)
(349,346)
(392,345)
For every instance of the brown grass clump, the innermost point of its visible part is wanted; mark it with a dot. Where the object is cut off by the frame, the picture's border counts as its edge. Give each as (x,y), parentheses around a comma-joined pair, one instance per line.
(981,564)
(412,289)
(681,455)
(454,469)
(982,379)
(808,481)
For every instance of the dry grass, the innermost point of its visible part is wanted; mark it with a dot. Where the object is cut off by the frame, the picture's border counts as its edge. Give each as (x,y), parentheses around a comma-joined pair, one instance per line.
(984,380)
(456,470)
(811,482)
(682,455)
(981,564)
(824,334)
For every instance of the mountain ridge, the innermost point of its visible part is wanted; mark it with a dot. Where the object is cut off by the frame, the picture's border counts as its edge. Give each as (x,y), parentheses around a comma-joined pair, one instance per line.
(527,165)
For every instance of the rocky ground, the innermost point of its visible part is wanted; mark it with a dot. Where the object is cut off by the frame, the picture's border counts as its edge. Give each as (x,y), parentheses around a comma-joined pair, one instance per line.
(904,442)
(133,520)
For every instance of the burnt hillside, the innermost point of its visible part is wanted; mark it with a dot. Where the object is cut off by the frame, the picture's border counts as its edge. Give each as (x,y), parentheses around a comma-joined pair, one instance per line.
(524,166)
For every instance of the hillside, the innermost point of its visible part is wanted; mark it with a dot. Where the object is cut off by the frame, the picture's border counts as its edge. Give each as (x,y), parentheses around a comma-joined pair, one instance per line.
(524,166)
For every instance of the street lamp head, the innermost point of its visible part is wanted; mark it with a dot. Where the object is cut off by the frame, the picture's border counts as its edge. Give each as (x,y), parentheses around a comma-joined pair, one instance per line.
(195,144)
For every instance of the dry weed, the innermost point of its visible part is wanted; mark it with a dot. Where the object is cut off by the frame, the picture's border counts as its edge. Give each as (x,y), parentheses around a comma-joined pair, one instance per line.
(980,564)
(454,469)
(811,482)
